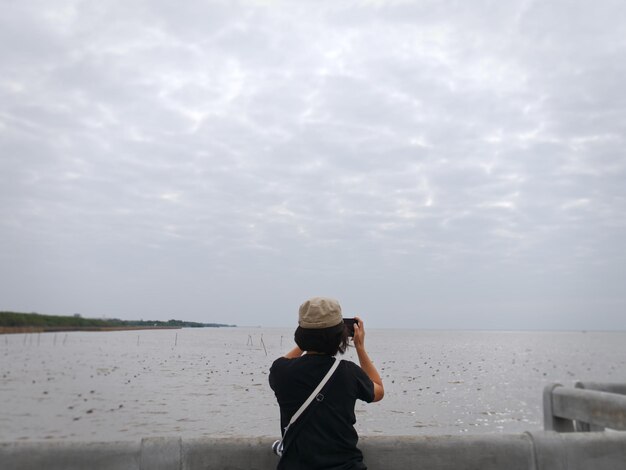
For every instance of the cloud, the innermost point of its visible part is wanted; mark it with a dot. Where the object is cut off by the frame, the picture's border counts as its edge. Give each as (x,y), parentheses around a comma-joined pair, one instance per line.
(463,155)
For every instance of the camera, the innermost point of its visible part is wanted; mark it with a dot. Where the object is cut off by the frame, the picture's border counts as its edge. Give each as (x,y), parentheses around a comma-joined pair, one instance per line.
(349,322)
(277,447)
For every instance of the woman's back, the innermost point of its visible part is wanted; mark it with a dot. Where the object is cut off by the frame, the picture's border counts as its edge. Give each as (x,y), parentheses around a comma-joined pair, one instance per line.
(324,436)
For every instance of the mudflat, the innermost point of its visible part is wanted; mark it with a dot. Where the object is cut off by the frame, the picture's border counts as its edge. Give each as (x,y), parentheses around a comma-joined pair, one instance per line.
(213,381)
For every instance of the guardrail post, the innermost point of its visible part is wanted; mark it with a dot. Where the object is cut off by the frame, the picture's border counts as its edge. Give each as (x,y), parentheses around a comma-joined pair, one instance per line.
(550,421)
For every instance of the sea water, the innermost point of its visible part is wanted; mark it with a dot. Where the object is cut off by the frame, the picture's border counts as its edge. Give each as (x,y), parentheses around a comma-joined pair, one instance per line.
(214,381)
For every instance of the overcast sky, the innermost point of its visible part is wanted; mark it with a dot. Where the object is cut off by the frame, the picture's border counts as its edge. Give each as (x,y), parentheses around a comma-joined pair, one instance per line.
(431,164)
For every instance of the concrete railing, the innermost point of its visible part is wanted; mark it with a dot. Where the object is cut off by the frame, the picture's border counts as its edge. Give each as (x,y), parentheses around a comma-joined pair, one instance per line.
(528,451)
(589,407)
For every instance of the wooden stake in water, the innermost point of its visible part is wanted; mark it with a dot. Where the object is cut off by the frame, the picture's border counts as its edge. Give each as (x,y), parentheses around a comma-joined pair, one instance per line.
(137,340)
(176,340)
(263,343)
(64,339)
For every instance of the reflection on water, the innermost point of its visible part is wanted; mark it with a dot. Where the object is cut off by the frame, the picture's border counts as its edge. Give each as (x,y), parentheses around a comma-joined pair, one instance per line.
(213,382)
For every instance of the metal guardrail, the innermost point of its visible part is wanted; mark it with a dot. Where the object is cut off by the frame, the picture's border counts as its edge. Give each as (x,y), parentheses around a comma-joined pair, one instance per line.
(589,407)
(619,388)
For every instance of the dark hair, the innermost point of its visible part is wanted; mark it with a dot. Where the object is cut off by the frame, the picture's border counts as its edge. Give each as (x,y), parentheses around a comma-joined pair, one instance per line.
(329,341)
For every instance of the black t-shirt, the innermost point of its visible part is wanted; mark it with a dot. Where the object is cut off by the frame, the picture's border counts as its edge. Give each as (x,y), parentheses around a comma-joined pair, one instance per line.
(327,439)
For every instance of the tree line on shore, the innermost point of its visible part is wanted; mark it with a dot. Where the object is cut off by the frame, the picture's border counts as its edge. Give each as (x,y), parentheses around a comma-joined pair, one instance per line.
(17,319)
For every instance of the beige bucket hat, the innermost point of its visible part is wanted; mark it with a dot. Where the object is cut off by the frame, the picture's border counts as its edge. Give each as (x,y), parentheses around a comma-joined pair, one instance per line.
(319,312)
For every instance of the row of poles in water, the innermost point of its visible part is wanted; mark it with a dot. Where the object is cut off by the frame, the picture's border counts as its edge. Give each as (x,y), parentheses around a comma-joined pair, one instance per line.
(29,337)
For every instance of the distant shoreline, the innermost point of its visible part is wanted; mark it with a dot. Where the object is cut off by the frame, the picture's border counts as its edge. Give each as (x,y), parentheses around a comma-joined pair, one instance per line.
(16,322)
(8,330)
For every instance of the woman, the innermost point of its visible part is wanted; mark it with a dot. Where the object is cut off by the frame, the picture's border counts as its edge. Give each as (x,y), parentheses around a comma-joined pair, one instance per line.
(323,437)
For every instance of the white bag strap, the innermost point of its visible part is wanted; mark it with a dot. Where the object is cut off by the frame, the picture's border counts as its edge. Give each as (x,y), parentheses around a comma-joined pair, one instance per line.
(315,393)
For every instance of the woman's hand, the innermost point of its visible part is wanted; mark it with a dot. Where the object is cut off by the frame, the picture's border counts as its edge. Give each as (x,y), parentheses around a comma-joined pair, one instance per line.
(359,333)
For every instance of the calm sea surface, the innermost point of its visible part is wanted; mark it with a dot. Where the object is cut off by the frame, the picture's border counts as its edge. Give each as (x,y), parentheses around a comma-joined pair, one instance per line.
(213,382)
